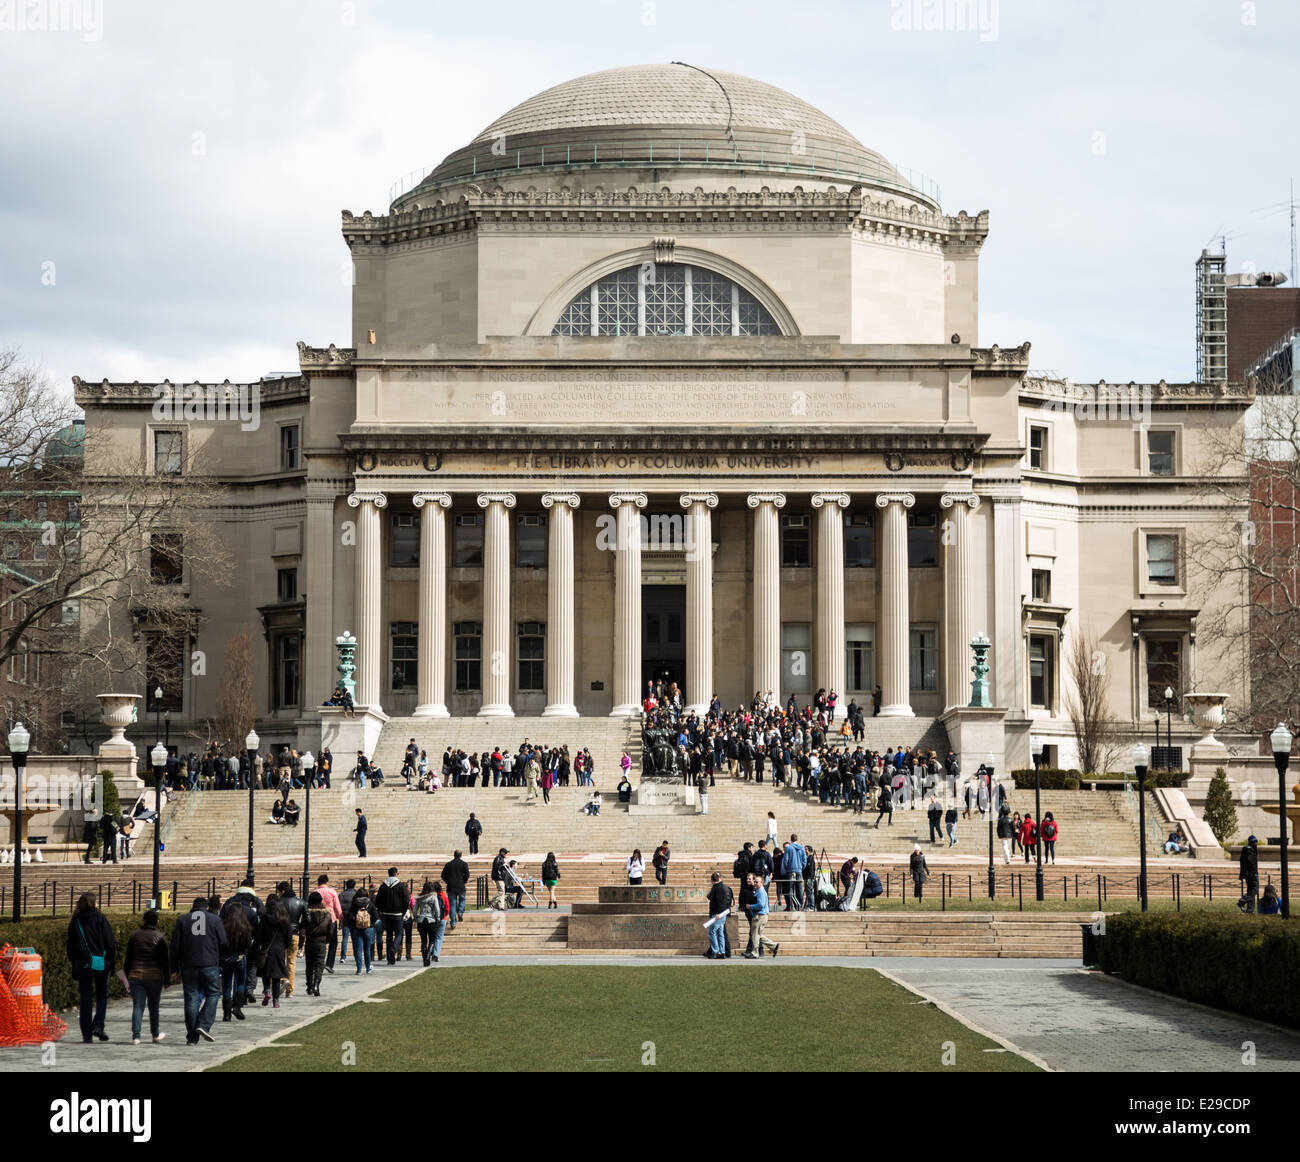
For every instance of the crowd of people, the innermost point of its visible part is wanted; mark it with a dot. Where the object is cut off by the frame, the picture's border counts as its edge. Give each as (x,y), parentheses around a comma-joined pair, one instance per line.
(221,949)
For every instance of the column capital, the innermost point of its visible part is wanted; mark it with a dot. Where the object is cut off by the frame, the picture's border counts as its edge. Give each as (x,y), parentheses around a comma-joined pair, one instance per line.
(551,499)
(616,499)
(442,499)
(357,499)
(776,499)
(487,498)
(885,499)
(689,498)
(821,498)
(969,499)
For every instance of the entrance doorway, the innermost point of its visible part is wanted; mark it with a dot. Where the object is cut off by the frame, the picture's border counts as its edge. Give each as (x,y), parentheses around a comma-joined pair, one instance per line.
(663,635)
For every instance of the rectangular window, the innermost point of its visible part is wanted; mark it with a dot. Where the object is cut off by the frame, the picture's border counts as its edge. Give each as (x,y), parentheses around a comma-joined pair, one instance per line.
(286,584)
(531,654)
(924,658)
(164,668)
(1037,446)
(166,558)
(468,653)
(796,654)
(290,460)
(404,654)
(1042,670)
(404,540)
(1041,584)
(860,662)
(1160,453)
(72,613)
(467,541)
(530,542)
(42,510)
(1164,670)
(859,541)
(288,671)
(796,552)
(74,512)
(1162,559)
(167,453)
(922,539)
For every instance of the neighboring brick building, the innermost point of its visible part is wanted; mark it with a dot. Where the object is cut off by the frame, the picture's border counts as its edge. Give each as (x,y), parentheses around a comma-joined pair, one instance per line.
(1258,317)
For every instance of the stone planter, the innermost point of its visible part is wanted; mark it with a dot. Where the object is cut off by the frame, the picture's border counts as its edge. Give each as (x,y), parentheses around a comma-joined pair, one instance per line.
(117,712)
(1209,711)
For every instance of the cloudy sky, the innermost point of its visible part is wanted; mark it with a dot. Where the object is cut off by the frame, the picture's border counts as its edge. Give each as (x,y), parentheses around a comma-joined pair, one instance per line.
(171,174)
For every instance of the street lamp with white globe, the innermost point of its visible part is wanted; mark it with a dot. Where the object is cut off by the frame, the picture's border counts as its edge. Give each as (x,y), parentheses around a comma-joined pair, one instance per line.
(1140,760)
(19,741)
(250,751)
(158,758)
(1281,742)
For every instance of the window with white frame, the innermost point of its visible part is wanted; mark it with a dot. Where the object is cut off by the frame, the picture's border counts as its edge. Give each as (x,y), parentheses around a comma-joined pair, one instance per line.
(1160,453)
(1038,446)
(167,452)
(1162,559)
(1042,670)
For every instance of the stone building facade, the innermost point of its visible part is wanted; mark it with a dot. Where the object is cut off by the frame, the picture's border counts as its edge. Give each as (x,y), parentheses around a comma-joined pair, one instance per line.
(665,373)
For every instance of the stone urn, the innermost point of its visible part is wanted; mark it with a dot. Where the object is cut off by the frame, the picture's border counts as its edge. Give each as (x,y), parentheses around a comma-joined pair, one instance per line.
(117,712)
(1209,711)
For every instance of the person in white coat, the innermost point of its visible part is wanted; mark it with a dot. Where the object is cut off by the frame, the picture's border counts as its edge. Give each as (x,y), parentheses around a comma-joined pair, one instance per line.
(635,868)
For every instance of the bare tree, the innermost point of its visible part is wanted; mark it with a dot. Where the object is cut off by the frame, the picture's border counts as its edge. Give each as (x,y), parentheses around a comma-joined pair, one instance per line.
(235,710)
(1096,733)
(99,546)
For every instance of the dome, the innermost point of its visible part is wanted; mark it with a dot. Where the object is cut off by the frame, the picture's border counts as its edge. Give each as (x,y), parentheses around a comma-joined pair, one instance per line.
(663,121)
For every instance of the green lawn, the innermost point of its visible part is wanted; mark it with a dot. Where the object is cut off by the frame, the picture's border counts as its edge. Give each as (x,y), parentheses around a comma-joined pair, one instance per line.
(578,1018)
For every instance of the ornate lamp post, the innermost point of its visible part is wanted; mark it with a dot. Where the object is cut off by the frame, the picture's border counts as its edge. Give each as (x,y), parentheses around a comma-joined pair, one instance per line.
(309,777)
(250,750)
(988,767)
(979,688)
(1140,767)
(158,756)
(1036,749)
(19,741)
(1281,740)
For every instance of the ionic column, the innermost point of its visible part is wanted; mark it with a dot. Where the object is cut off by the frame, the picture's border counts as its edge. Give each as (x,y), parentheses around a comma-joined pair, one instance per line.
(432,675)
(699,598)
(627,602)
(559,605)
(957,598)
(496,603)
(767,591)
(368,598)
(830,594)
(894,614)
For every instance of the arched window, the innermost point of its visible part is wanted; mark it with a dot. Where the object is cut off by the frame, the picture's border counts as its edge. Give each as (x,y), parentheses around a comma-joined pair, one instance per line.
(665,299)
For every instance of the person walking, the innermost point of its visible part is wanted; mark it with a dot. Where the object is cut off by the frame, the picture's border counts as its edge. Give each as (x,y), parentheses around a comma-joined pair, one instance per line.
(330,899)
(1247,871)
(360,830)
(792,869)
(234,958)
(1049,833)
(758,912)
(294,942)
(362,915)
(147,967)
(950,823)
(635,868)
(660,862)
(885,806)
(198,943)
(771,831)
(108,834)
(1028,837)
(272,941)
(473,829)
(1016,821)
(317,927)
(498,876)
(934,813)
(720,901)
(551,878)
(455,875)
(393,900)
(1006,831)
(428,917)
(92,952)
(918,870)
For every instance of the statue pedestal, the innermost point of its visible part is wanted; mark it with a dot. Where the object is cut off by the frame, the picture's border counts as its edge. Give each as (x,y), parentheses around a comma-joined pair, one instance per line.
(975,732)
(662,798)
(346,735)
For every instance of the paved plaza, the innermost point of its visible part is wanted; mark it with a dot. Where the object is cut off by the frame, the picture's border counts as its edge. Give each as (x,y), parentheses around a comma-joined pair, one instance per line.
(1051,1011)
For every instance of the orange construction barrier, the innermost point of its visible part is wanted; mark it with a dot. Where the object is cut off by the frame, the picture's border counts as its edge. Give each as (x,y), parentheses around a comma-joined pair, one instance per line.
(24,1017)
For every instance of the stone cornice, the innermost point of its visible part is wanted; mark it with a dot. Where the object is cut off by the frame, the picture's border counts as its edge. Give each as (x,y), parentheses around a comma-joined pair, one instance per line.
(997,360)
(268,392)
(1066,395)
(329,358)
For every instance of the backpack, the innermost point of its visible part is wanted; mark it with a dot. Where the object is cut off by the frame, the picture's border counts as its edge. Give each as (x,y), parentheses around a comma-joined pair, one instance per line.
(1049,829)
(362,918)
(430,909)
(738,867)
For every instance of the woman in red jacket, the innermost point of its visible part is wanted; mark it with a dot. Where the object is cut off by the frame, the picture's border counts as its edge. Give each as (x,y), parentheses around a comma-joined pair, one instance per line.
(1050,833)
(1028,836)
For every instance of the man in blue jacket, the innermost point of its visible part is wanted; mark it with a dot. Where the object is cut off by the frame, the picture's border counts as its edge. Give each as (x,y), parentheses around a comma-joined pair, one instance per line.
(792,866)
(757,910)
(198,942)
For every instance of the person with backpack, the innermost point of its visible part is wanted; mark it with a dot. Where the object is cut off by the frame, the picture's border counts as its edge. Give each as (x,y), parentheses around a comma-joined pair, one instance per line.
(1006,831)
(361,918)
(1050,832)
(92,951)
(498,876)
(198,944)
(743,864)
(473,829)
(660,862)
(147,967)
(1028,836)
(430,919)
(317,927)
(761,864)
(918,870)
(550,878)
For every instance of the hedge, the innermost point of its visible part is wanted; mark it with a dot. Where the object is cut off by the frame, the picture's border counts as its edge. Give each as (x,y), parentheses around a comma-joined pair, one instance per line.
(1245,963)
(49,936)
(1055,779)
